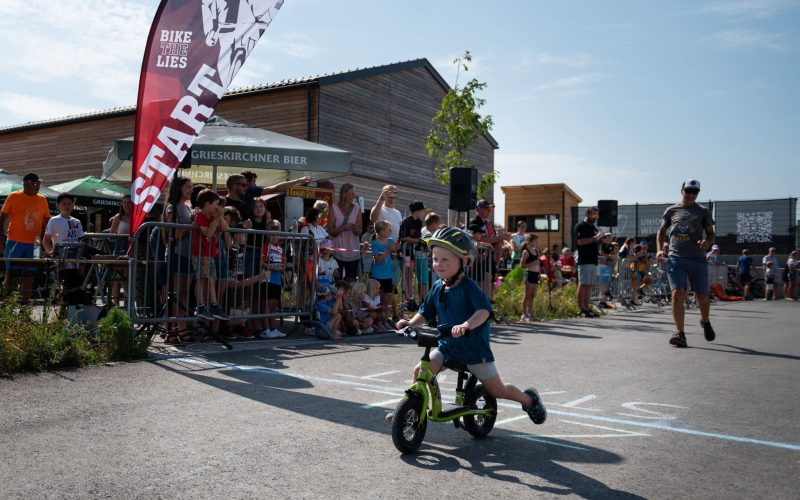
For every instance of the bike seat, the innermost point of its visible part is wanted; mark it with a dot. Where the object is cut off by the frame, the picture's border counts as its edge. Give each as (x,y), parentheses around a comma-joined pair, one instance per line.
(459,367)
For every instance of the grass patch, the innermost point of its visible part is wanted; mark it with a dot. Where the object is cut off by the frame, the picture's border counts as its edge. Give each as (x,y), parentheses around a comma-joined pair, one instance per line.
(28,344)
(561,303)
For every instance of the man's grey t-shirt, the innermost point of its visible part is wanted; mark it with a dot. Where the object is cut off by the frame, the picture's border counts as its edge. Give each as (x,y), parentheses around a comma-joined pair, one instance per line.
(685,227)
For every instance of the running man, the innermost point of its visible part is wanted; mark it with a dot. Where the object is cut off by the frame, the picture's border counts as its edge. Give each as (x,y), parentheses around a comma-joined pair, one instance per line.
(684,223)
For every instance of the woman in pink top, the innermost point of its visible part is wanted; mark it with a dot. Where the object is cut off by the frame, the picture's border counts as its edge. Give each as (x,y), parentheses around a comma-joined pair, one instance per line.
(345,228)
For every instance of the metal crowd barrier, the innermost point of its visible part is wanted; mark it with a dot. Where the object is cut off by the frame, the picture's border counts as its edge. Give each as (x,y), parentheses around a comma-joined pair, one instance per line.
(481,269)
(165,284)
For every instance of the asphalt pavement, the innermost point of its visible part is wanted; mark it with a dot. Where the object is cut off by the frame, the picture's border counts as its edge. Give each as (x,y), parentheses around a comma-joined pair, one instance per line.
(629,417)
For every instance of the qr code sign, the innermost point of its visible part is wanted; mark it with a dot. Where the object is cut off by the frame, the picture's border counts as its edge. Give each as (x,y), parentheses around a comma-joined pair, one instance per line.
(754,227)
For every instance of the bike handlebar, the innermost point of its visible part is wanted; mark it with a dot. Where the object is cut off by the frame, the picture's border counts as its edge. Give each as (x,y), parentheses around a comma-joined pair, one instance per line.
(413,333)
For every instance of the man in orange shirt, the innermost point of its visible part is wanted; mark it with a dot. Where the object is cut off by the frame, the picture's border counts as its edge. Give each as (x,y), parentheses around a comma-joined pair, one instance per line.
(28,214)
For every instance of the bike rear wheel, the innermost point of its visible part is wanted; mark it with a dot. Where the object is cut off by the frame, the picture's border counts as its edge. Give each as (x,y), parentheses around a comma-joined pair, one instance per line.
(758,288)
(480,399)
(409,425)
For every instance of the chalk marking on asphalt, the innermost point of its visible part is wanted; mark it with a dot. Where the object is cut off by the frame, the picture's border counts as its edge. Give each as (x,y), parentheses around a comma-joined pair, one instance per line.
(647,425)
(369,377)
(617,432)
(531,437)
(507,420)
(379,404)
(574,404)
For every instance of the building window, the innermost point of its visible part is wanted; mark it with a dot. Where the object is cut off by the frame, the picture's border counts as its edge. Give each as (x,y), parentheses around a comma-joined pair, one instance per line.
(536,223)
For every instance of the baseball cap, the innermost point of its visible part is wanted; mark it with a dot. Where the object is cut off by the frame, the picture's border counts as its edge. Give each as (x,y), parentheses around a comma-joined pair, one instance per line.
(323,289)
(30,176)
(325,244)
(416,205)
(714,247)
(691,183)
(485,204)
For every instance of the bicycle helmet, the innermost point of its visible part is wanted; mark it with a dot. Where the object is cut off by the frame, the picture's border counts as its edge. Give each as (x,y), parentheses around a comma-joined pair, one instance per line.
(455,240)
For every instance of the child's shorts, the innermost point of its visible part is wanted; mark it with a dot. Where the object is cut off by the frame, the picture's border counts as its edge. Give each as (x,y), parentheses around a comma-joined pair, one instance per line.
(204,267)
(483,371)
(387,285)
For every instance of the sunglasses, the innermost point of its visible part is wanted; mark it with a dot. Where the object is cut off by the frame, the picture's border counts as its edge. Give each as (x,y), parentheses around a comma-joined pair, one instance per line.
(691,191)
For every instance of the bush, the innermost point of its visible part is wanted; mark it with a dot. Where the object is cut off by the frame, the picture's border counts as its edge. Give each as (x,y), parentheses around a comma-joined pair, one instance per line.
(562,303)
(116,339)
(30,344)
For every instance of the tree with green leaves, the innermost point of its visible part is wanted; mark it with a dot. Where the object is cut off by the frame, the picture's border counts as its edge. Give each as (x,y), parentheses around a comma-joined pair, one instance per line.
(456,126)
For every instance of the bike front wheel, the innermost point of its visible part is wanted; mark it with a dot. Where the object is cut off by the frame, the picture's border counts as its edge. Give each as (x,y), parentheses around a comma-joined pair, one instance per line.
(480,399)
(409,424)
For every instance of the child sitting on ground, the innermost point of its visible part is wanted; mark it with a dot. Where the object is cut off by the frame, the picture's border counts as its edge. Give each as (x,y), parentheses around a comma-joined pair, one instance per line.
(349,322)
(372,302)
(457,301)
(358,296)
(328,306)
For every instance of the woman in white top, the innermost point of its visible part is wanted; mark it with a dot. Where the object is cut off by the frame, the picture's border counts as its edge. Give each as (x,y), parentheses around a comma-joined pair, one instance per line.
(345,228)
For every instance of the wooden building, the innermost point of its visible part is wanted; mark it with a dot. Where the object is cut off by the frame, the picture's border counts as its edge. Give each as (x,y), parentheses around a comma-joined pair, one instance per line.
(534,203)
(380,114)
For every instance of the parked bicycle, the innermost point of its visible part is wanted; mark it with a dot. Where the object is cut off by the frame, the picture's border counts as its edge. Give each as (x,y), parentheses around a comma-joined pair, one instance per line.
(734,287)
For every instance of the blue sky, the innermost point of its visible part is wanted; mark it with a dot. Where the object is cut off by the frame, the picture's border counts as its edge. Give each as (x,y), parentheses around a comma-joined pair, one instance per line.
(618,99)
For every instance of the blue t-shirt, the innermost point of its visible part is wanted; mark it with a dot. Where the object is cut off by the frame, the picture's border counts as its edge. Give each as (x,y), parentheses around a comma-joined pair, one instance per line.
(459,304)
(382,270)
(745,263)
(323,307)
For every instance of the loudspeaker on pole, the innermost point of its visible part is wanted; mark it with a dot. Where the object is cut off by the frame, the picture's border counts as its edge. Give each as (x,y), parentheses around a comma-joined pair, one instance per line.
(608,213)
(463,189)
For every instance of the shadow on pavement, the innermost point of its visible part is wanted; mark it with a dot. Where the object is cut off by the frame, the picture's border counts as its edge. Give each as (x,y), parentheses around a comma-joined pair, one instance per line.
(494,459)
(752,352)
(503,456)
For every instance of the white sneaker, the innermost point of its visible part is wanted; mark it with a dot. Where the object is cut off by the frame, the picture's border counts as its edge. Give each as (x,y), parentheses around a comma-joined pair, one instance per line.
(278,334)
(266,334)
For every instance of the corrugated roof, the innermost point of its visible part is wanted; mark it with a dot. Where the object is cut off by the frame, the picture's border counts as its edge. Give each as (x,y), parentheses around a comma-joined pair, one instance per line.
(321,79)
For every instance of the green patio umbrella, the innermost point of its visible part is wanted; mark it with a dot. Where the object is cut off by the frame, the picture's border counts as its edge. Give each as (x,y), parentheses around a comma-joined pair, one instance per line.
(224,148)
(12,182)
(92,193)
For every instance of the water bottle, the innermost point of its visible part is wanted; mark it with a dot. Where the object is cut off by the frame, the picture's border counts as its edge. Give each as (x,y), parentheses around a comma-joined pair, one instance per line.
(37,248)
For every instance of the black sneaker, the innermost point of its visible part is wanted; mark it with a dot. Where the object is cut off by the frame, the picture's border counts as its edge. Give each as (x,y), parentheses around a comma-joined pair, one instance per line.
(202,312)
(707,330)
(537,411)
(216,313)
(679,340)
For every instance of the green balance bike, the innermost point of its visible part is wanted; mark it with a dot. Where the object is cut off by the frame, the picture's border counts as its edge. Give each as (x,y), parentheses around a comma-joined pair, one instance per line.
(474,410)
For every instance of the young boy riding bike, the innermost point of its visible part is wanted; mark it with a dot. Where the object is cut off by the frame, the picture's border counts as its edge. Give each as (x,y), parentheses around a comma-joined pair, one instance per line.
(457,301)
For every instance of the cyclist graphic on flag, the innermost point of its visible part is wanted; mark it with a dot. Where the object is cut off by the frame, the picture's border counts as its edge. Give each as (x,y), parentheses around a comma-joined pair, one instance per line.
(236,25)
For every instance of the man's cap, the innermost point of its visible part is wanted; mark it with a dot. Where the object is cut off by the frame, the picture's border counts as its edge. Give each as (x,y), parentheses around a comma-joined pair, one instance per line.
(30,176)
(485,204)
(691,184)
(416,205)
(714,247)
